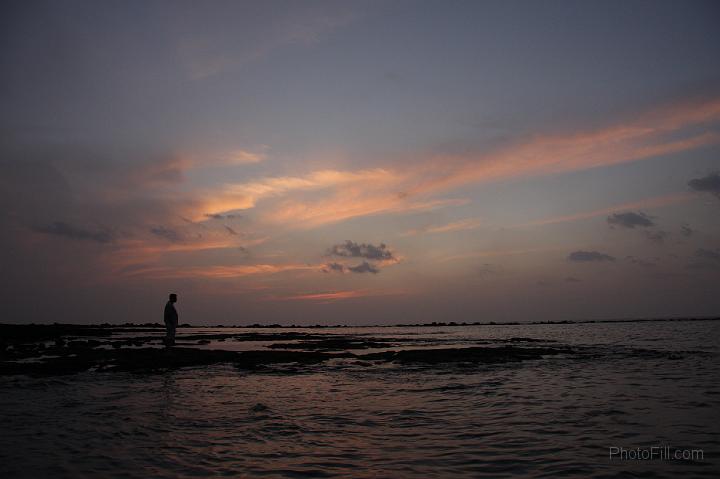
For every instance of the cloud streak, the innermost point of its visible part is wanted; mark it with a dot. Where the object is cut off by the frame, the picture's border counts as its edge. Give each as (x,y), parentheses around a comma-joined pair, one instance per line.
(66,230)
(589,257)
(351,249)
(219,272)
(166,233)
(331,296)
(244,196)
(647,203)
(650,135)
(363,267)
(708,184)
(462,225)
(387,190)
(325,297)
(630,220)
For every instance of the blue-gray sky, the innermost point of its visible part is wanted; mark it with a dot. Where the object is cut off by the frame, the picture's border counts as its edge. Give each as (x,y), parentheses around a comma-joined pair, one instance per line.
(359,162)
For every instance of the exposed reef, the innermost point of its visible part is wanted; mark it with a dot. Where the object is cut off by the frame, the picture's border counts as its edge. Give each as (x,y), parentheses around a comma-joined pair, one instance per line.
(333,344)
(160,359)
(66,349)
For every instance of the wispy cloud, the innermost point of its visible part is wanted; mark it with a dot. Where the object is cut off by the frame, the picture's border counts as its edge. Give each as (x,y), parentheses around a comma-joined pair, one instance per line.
(241,157)
(647,203)
(166,233)
(331,296)
(589,257)
(350,194)
(230,230)
(648,136)
(346,205)
(66,230)
(709,183)
(219,272)
(147,198)
(242,196)
(630,219)
(195,160)
(462,225)
(141,257)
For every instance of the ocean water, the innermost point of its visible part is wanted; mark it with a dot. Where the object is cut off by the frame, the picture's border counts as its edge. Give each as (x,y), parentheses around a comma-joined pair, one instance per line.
(635,385)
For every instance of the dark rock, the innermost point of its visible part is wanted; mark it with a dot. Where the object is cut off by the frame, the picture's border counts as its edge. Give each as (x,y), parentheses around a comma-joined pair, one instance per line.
(45,332)
(152,359)
(89,344)
(333,344)
(52,367)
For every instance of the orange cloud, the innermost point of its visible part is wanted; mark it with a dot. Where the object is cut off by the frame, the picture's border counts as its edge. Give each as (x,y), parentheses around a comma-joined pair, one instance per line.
(345,205)
(246,195)
(240,157)
(218,272)
(336,295)
(142,255)
(384,190)
(543,155)
(225,158)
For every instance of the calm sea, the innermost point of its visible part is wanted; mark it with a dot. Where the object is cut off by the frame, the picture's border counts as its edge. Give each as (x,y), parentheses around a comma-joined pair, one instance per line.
(636,386)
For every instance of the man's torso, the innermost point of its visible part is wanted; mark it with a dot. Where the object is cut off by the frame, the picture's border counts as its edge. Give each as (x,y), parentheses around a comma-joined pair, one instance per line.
(171,316)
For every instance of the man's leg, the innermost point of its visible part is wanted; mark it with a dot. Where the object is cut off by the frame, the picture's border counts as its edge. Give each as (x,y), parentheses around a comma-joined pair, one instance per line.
(170,336)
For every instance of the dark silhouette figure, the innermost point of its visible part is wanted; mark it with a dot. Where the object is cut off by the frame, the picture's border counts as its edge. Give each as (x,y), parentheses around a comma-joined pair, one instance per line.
(171,320)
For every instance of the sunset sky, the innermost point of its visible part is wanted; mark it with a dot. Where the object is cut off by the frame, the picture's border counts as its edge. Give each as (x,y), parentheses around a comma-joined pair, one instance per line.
(359,162)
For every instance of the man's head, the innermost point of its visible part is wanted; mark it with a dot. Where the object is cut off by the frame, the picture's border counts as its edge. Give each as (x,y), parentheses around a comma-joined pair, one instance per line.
(173,297)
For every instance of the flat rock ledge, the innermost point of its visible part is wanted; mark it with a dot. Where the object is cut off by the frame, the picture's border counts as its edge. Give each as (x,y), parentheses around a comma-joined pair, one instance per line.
(151,360)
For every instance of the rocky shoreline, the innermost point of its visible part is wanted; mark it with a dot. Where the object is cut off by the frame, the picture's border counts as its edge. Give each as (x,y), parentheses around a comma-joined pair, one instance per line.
(49,350)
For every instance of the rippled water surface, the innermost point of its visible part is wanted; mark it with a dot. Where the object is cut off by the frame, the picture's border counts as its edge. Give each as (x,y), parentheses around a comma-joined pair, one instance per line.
(636,385)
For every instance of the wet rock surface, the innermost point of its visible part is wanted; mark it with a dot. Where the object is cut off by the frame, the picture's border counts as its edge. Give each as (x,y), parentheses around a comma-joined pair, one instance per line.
(333,344)
(67,349)
(159,359)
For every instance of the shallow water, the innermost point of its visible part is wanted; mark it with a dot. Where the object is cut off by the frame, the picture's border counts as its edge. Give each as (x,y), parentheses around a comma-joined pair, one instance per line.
(637,385)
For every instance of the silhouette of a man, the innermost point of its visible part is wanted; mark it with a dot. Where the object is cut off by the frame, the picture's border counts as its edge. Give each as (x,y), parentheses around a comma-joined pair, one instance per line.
(171,320)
